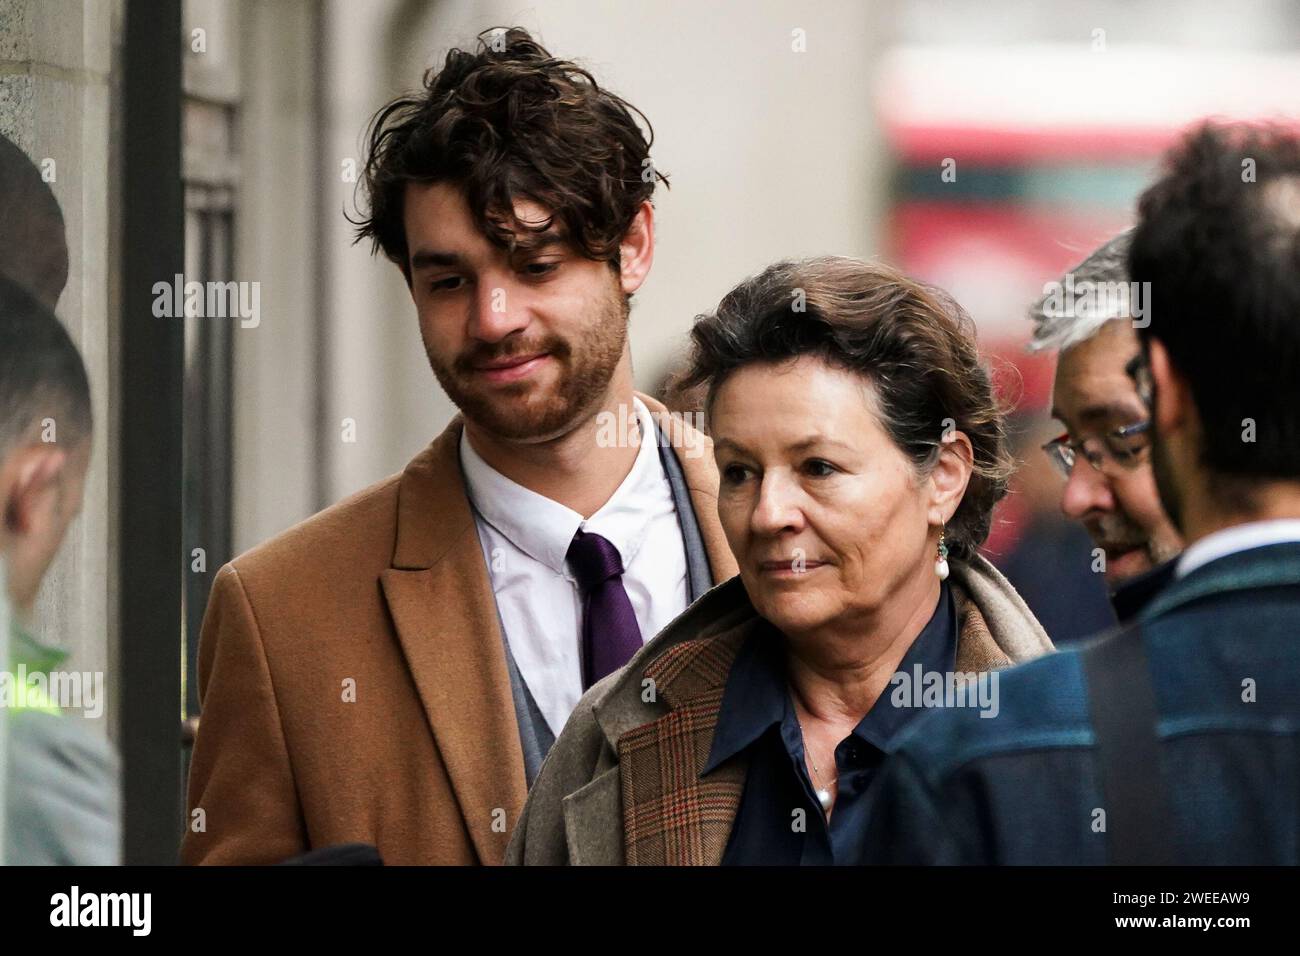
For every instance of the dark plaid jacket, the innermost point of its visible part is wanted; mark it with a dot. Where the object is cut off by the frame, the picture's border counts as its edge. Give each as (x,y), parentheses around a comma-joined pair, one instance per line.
(622,784)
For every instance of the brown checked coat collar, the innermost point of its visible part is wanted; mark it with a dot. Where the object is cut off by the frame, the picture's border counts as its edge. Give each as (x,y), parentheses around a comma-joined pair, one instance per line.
(648,730)
(440,597)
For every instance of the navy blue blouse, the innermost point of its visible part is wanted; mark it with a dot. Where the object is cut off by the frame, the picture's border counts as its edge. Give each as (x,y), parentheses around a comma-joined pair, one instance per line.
(758,715)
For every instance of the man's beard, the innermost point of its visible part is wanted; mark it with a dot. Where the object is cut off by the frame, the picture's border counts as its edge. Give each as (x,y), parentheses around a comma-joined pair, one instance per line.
(1162,470)
(527,410)
(1116,533)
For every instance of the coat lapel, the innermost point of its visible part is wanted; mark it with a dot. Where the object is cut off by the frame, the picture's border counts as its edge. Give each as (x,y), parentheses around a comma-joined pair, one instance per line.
(440,598)
(672,816)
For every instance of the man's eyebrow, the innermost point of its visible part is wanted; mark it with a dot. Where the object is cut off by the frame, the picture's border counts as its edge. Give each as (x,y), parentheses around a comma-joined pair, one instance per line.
(428,258)
(1104,411)
(530,242)
(528,245)
(1099,412)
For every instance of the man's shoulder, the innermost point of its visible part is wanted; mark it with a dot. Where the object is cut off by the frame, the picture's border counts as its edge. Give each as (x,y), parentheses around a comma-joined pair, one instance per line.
(65,741)
(63,803)
(356,532)
(1037,706)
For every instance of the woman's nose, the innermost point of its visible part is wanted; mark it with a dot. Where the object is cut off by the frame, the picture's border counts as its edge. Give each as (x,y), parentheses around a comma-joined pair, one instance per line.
(777,507)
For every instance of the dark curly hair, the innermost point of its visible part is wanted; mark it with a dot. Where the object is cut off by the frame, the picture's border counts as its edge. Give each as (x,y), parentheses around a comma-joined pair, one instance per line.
(1218,239)
(510,121)
(913,342)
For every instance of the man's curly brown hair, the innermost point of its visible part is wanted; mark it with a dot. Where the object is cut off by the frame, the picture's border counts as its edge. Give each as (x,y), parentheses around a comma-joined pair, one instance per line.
(509,121)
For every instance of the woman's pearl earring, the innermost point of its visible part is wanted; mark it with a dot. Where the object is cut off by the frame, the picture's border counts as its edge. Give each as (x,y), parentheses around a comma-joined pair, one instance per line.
(941,562)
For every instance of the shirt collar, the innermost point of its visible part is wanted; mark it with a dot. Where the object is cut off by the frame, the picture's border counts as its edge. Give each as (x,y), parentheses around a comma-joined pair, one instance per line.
(543,528)
(757,693)
(755,696)
(644,493)
(1242,537)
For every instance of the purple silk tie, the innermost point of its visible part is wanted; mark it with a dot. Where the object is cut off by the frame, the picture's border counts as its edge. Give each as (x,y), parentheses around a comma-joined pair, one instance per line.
(610,635)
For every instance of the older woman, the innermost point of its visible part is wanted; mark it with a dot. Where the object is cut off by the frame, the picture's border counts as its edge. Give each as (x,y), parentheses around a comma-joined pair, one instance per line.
(860,451)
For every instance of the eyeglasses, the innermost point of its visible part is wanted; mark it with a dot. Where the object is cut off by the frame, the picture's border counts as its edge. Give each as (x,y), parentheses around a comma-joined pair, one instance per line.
(1113,452)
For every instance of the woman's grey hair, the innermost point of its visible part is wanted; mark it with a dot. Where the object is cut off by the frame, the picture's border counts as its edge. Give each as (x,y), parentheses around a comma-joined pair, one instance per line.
(1059,324)
(912,342)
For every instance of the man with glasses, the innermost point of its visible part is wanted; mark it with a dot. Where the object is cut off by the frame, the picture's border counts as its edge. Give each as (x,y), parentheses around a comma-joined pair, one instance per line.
(1176,739)
(1103,453)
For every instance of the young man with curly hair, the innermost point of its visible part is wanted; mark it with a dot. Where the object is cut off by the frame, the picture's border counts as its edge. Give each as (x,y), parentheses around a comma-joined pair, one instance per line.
(393,670)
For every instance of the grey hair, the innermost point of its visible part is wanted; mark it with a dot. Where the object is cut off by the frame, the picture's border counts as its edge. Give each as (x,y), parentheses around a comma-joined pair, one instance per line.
(1058,332)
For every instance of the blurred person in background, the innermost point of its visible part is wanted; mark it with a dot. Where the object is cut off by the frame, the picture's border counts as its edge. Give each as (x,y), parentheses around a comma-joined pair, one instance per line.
(861,450)
(394,670)
(62,786)
(1176,740)
(1089,319)
(61,793)
(34,250)
(1050,564)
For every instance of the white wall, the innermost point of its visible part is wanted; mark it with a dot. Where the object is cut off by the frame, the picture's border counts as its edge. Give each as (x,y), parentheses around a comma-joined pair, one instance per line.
(274,377)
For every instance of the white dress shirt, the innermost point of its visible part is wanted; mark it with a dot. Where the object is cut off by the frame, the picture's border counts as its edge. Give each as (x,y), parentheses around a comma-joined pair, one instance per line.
(525,538)
(1242,537)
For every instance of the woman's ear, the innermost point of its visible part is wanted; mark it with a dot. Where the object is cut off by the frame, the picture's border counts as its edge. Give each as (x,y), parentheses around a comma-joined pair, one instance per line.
(949,477)
(637,250)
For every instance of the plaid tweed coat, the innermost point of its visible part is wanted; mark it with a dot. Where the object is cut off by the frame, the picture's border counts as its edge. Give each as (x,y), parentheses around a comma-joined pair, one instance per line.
(622,784)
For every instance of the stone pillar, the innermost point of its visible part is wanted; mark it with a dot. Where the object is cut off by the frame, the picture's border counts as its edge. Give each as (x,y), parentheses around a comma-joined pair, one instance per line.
(58,102)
